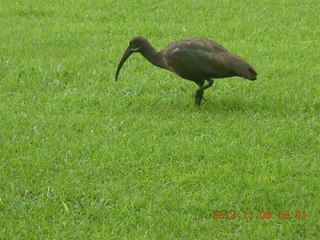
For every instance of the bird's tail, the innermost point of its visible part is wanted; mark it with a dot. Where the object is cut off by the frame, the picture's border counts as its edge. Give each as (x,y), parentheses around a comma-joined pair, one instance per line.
(243,68)
(251,74)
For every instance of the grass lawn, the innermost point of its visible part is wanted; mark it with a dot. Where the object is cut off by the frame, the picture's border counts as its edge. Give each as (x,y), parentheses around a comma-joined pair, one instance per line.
(85,157)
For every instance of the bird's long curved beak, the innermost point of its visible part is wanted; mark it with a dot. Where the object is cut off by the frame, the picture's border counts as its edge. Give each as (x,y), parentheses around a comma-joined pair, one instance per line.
(125,56)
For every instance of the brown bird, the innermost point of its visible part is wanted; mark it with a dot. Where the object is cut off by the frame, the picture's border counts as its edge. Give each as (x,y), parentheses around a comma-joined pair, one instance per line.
(195,59)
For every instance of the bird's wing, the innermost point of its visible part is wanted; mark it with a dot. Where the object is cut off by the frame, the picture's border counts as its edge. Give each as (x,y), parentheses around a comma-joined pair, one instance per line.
(196,59)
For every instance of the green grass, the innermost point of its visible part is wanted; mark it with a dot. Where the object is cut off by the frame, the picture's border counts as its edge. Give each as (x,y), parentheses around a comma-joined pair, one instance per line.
(85,157)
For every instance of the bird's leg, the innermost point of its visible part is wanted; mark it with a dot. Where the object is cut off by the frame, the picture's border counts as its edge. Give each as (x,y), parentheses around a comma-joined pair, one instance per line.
(199,92)
(198,97)
(210,84)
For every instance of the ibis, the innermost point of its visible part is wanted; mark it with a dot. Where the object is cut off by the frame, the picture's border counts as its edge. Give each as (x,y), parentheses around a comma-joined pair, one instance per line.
(196,59)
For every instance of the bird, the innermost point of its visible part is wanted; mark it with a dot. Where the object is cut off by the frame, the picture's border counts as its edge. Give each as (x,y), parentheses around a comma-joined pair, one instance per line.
(195,59)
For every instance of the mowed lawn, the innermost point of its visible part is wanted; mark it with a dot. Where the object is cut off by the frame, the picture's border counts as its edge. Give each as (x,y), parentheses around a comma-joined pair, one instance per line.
(85,157)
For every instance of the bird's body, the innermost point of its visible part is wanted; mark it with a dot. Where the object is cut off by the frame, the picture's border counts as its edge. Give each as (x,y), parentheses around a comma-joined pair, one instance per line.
(195,59)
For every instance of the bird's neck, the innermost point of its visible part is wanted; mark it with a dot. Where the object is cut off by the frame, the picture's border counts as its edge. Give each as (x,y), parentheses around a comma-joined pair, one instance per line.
(153,56)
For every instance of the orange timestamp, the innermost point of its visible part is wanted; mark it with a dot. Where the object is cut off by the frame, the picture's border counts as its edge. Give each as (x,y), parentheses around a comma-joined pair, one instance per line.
(284,214)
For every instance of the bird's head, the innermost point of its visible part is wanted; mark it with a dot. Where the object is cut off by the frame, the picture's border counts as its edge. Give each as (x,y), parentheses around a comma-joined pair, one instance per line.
(136,44)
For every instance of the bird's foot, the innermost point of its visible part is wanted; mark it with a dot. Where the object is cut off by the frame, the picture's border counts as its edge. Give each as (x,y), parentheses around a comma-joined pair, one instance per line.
(198,97)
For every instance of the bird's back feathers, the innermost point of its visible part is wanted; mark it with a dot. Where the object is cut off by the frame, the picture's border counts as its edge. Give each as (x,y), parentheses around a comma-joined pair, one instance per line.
(198,58)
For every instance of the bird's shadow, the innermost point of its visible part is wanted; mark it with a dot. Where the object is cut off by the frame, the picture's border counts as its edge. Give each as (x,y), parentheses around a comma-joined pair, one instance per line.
(211,105)
(227,105)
